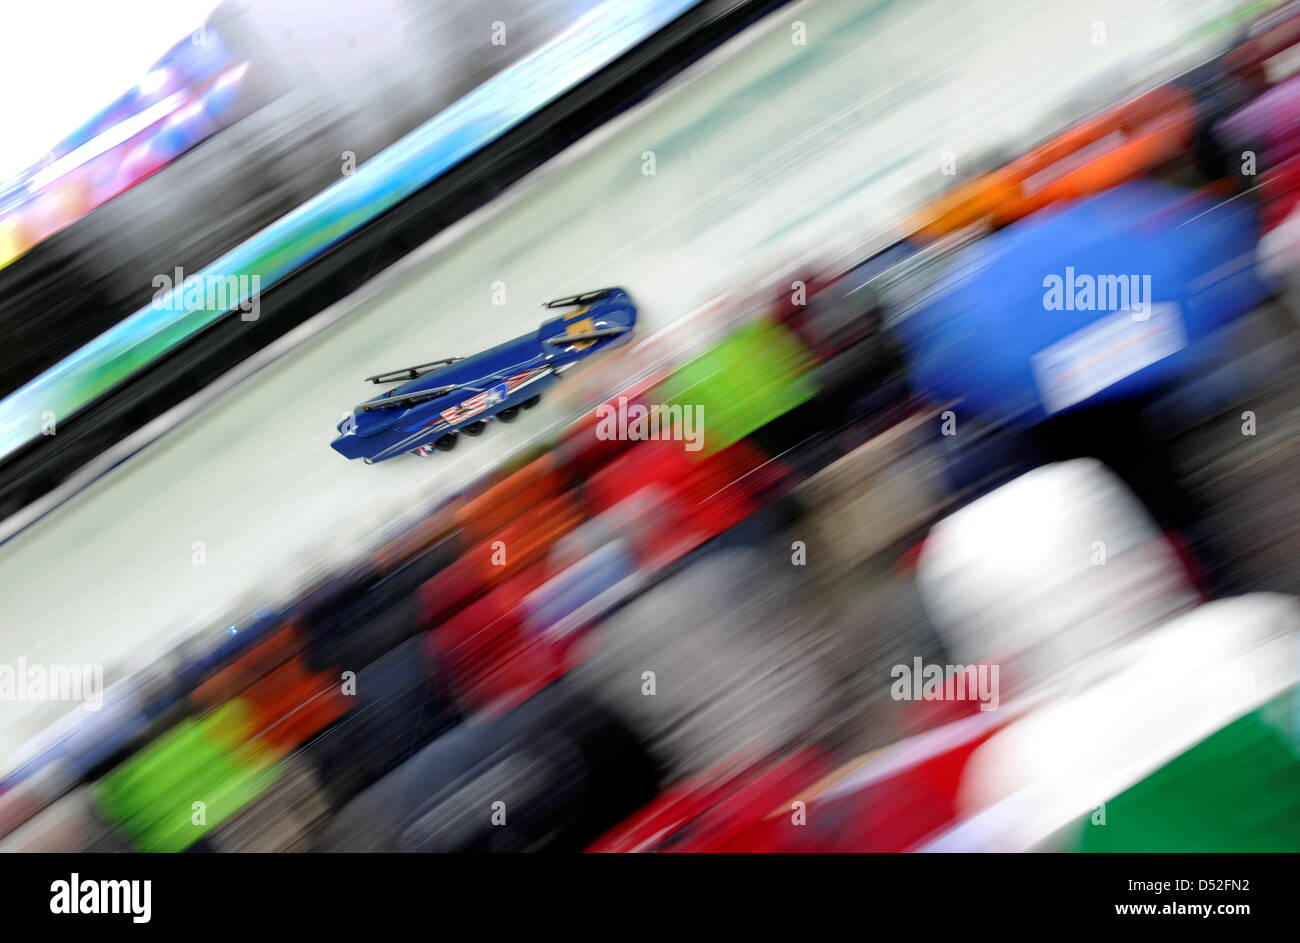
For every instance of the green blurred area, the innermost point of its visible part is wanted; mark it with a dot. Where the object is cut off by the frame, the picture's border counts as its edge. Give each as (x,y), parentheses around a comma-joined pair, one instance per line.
(1238,790)
(756,373)
(151,797)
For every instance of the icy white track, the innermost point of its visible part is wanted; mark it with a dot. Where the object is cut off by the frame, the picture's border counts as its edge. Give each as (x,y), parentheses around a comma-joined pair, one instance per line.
(765,151)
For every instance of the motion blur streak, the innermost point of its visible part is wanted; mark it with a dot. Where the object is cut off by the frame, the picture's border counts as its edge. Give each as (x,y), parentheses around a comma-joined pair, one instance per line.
(982,534)
(273,512)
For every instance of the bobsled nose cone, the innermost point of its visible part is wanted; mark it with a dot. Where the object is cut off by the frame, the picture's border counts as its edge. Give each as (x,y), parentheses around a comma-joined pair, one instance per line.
(350,446)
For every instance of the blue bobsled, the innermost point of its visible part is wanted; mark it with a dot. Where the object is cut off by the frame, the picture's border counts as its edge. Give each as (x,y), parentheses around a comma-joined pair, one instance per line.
(435,402)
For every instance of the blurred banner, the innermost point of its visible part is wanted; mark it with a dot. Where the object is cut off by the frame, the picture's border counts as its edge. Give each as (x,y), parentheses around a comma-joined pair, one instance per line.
(194,91)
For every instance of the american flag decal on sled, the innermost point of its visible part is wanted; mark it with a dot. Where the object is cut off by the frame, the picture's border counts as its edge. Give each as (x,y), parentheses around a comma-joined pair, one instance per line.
(491,396)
